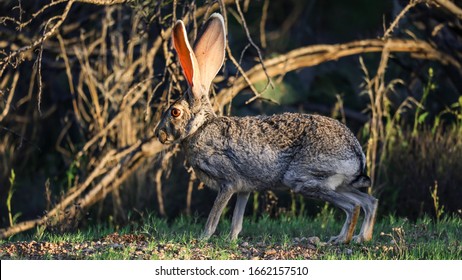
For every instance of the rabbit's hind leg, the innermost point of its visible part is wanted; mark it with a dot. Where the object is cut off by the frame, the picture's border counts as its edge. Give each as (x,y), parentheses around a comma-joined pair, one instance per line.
(323,187)
(352,212)
(369,205)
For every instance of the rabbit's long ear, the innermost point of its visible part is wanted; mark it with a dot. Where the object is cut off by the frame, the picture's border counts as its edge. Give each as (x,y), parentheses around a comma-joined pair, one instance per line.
(210,50)
(187,58)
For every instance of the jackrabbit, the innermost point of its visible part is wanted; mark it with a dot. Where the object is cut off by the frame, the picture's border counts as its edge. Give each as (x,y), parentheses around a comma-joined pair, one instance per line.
(310,154)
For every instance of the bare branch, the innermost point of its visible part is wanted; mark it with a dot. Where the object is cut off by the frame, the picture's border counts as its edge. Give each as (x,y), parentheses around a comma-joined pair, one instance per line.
(449,6)
(395,22)
(104,2)
(10,97)
(264,15)
(249,38)
(130,159)
(54,29)
(38,42)
(317,54)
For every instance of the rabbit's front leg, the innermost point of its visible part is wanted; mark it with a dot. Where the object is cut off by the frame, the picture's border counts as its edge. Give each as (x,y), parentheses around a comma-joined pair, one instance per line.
(238,215)
(222,199)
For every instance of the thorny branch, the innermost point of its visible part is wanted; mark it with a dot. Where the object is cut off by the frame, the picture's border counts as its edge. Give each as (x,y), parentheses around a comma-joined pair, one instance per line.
(395,22)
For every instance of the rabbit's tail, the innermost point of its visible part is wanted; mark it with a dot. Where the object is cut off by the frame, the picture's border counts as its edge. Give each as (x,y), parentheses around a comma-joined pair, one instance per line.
(362,181)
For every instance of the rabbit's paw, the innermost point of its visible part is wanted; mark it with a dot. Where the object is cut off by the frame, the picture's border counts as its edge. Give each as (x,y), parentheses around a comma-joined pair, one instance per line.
(205,236)
(358,239)
(339,239)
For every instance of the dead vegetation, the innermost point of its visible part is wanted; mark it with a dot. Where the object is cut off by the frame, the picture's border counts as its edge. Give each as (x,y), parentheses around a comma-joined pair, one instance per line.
(138,248)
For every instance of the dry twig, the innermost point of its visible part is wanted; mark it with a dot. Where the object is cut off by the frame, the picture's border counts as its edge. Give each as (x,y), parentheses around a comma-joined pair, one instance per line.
(395,22)
(249,38)
(449,6)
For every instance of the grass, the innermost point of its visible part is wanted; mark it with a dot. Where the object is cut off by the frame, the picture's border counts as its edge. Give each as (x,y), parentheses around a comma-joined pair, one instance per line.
(267,238)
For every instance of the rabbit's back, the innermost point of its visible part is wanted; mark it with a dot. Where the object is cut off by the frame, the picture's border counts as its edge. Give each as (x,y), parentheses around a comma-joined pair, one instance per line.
(269,151)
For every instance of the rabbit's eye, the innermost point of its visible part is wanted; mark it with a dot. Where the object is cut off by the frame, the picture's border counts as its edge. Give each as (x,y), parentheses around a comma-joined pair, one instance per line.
(175,112)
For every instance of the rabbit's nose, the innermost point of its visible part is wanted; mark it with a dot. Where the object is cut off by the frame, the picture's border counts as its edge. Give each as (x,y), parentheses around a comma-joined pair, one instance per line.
(162,135)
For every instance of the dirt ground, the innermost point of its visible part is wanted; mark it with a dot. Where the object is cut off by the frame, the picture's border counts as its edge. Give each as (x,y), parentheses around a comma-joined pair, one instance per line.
(130,246)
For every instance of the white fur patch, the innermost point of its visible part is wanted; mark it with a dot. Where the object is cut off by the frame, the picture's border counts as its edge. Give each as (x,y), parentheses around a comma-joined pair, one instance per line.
(334,181)
(347,167)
